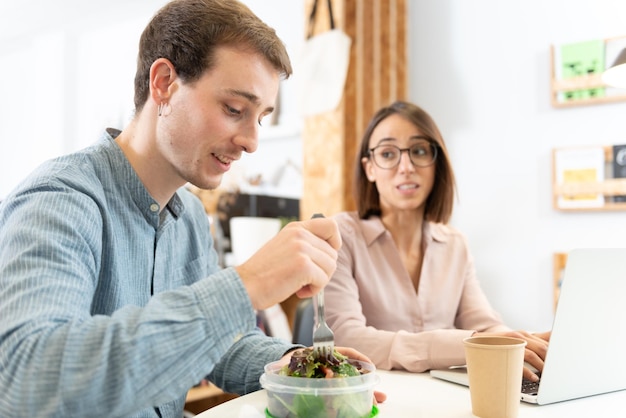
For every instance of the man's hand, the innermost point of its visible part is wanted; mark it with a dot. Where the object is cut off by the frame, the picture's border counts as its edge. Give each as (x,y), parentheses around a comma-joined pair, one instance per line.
(300,259)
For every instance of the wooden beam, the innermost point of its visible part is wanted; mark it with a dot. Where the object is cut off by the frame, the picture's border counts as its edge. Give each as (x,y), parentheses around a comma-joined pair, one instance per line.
(376,77)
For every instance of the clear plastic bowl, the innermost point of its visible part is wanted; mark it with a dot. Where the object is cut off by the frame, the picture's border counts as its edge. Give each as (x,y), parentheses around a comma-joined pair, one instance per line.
(346,397)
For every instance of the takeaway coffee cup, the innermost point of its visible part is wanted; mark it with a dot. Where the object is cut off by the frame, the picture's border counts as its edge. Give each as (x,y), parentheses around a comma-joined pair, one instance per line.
(494,368)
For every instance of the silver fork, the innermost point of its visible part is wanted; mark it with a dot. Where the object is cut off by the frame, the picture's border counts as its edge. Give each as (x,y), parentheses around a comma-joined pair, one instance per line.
(323,337)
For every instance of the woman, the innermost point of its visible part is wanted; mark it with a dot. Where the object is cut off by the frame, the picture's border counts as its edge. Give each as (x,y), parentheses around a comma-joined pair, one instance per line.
(405,291)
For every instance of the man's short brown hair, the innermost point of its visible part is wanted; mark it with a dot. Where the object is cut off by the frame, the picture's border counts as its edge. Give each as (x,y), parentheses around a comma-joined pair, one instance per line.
(187,32)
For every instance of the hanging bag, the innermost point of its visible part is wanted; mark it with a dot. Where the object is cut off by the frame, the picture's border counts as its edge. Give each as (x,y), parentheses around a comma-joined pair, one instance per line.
(322,67)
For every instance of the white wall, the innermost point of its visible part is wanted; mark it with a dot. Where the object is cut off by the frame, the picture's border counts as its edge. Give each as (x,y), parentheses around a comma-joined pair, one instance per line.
(68,66)
(67,69)
(481,68)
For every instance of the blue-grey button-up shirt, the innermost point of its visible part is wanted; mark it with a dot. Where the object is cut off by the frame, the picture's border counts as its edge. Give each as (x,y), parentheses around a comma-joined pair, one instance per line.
(111,306)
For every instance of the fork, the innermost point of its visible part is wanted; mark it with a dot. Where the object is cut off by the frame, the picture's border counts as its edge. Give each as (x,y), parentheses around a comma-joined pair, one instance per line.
(323,337)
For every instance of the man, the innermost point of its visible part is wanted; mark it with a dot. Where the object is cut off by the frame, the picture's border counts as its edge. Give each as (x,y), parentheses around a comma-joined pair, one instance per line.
(111,299)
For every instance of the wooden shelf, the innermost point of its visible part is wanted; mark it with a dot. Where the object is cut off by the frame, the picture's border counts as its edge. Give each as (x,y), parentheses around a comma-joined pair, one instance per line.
(585,82)
(608,188)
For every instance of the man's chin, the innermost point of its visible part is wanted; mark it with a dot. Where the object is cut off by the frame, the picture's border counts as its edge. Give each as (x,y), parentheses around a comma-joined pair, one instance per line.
(208,183)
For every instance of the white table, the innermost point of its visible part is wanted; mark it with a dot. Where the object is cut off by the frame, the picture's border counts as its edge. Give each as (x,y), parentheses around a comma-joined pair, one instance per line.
(418,395)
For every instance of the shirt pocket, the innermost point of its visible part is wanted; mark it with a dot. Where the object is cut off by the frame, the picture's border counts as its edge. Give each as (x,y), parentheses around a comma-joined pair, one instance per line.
(191,272)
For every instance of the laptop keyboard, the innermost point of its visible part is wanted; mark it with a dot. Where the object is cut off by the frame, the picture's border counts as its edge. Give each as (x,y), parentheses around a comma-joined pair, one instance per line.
(530,387)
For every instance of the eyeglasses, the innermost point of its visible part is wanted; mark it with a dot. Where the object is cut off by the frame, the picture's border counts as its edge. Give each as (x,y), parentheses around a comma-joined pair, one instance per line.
(422,154)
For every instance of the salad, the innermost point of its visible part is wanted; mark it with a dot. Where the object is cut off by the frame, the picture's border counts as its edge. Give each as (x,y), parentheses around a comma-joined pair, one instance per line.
(315,386)
(308,362)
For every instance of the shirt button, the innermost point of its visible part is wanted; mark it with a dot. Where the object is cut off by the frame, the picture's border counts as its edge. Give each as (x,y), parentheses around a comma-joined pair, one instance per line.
(154,207)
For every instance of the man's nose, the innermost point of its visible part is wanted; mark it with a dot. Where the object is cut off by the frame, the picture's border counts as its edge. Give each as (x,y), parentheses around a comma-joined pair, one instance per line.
(248,139)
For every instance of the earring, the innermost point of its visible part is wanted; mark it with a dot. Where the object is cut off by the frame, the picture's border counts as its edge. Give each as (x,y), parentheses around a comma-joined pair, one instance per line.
(164,109)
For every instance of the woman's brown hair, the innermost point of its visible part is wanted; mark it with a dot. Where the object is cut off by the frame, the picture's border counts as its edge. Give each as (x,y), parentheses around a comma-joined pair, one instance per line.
(441,199)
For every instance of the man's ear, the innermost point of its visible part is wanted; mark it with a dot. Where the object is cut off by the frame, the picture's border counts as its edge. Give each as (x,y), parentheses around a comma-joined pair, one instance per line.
(162,78)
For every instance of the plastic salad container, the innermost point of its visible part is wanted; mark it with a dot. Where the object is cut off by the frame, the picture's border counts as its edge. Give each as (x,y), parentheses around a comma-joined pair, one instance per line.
(340,397)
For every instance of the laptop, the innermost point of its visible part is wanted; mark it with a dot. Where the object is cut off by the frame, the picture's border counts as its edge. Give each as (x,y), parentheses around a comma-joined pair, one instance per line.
(585,355)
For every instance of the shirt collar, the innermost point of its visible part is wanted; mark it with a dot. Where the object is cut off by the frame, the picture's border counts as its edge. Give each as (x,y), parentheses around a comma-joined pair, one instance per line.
(126,174)
(373,228)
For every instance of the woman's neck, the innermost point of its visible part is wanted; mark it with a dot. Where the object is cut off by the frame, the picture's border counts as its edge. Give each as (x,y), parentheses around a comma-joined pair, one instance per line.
(406,231)
(405,227)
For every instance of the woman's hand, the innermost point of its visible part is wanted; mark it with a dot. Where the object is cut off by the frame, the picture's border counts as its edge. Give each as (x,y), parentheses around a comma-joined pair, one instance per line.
(535,352)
